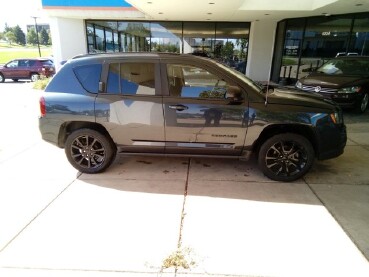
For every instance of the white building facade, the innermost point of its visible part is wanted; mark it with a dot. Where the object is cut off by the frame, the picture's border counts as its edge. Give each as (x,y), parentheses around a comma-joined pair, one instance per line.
(266,40)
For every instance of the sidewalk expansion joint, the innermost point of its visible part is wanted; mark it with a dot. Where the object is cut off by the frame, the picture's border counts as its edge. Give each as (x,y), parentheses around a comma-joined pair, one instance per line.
(336,219)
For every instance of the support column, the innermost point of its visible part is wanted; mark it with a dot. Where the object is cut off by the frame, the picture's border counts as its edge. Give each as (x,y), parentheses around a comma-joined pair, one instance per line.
(68,37)
(261,45)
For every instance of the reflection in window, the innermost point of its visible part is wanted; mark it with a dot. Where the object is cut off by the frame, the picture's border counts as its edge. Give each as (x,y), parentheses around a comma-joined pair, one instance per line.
(194,82)
(135,36)
(131,78)
(166,37)
(360,36)
(232,43)
(311,42)
(226,42)
(100,39)
(199,38)
(292,49)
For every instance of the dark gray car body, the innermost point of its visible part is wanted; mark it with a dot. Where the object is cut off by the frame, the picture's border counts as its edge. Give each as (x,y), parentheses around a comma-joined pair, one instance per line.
(167,124)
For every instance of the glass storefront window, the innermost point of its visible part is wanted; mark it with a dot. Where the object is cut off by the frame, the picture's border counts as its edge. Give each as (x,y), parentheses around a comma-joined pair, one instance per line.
(324,39)
(100,39)
(135,35)
(292,50)
(166,37)
(231,44)
(359,43)
(224,41)
(90,37)
(199,38)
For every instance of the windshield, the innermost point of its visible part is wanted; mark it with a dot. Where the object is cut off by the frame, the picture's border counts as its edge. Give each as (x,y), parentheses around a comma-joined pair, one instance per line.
(351,66)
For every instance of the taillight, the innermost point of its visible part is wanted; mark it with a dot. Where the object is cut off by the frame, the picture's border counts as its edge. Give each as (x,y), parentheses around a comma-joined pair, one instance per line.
(42,106)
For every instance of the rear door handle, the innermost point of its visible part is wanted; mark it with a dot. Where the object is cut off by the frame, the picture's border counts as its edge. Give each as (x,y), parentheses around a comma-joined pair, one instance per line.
(178,107)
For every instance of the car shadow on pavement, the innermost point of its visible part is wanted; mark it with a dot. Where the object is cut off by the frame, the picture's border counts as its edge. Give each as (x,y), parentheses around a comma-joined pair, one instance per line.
(216,178)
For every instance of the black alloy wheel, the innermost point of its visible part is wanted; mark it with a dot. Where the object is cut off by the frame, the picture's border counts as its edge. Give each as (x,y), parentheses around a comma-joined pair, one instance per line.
(286,157)
(89,151)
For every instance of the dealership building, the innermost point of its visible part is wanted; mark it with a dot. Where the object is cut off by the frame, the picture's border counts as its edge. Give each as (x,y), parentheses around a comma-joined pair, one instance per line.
(266,40)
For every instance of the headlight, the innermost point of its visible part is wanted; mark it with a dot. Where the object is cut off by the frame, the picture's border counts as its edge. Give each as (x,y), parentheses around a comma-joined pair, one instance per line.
(349,89)
(298,85)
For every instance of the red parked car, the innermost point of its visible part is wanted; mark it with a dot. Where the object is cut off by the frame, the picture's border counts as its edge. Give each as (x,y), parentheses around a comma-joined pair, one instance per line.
(27,69)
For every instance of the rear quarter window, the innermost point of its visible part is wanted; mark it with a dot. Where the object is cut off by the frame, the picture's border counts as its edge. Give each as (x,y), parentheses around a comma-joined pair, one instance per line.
(89,76)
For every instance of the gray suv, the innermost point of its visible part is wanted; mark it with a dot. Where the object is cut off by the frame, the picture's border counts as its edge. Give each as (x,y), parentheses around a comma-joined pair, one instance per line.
(98,106)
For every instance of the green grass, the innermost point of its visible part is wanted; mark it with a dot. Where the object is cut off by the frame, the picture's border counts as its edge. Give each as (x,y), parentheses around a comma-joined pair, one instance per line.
(9,52)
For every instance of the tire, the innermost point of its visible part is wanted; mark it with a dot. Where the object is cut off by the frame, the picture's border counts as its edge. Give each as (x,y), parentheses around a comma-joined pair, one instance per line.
(34,77)
(286,157)
(89,151)
(2,79)
(363,104)
(15,80)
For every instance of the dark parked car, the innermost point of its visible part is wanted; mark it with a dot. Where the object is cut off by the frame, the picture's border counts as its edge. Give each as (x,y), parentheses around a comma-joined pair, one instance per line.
(27,69)
(344,80)
(183,105)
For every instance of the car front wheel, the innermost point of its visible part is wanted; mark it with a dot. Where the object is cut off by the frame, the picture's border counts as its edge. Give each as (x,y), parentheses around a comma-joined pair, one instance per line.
(286,157)
(89,151)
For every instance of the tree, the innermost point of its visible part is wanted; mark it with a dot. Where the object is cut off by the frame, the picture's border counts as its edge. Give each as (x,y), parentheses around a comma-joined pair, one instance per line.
(6,28)
(44,37)
(32,36)
(10,37)
(49,42)
(20,37)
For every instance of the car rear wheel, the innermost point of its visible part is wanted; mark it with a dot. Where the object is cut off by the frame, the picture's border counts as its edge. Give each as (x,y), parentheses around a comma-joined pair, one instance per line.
(34,77)
(89,151)
(286,157)
(2,79)
(363,104)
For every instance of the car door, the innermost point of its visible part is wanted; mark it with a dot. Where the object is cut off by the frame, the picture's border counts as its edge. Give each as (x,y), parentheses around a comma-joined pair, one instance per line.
(11,69)
(24,68)
(204,114)
(130,108)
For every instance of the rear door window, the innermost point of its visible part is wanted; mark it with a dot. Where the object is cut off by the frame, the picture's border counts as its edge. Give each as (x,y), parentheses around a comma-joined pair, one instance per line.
(131,78)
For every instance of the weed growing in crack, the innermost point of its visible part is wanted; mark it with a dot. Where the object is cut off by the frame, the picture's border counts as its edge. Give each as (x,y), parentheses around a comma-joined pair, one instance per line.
(180,259)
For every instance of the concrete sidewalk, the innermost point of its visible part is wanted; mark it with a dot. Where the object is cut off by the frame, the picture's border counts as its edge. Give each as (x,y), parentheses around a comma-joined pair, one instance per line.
(145,215)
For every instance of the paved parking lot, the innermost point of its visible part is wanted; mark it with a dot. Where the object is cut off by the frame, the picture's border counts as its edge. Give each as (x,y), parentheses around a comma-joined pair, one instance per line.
(146,214)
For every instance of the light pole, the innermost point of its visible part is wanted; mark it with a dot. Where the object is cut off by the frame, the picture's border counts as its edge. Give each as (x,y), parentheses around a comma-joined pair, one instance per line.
(38,41)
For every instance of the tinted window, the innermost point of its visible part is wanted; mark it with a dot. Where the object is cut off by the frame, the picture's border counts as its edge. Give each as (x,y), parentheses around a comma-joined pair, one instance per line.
(12,64)
(131,78)
(31,63)
(194,82)
(89,76)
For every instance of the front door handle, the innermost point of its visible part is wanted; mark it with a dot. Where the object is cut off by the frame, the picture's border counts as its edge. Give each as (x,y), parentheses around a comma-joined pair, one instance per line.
(178,107)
